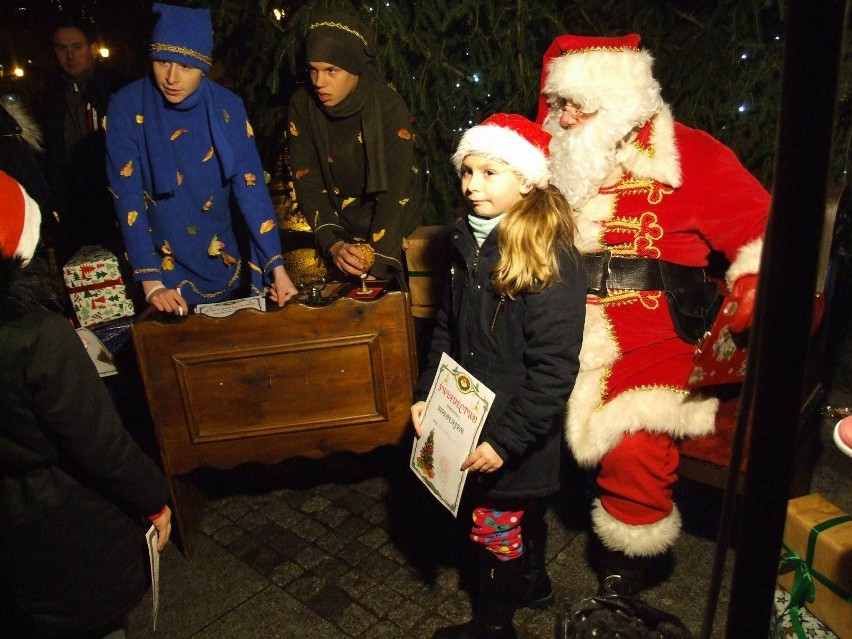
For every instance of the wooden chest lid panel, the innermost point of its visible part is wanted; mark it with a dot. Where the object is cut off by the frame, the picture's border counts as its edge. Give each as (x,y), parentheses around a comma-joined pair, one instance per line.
(283,388)
(265,386)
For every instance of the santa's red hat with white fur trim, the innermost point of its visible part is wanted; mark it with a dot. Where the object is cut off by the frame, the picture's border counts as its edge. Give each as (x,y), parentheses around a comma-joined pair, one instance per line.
(20,219)
(578,65)
(513,140)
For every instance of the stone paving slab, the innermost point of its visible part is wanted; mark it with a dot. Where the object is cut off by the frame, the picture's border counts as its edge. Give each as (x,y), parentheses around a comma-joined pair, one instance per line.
(352,547)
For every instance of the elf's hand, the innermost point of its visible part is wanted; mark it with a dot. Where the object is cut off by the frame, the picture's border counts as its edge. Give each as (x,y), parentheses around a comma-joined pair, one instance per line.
(743,294)
(282,289)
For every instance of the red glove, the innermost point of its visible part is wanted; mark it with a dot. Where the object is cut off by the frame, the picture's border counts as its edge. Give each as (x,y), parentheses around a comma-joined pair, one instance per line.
(743,293)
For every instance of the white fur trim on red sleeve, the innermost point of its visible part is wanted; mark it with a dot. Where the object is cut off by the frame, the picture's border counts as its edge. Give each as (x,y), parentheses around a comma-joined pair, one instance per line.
(747,262)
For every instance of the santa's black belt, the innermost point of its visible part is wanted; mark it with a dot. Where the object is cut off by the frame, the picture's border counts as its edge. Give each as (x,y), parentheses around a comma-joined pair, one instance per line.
(638,274)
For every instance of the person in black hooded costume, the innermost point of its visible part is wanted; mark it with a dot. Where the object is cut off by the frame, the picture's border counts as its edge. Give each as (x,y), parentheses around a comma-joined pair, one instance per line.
(351,149)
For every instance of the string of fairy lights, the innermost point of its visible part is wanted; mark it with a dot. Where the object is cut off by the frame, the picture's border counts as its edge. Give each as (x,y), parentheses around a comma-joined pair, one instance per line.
(460,95)
(90,8)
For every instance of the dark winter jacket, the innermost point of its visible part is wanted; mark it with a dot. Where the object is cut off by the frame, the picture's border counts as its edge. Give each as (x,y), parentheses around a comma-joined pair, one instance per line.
(21,157)
(526,350)
(75,489)
(20,150)
(77,175)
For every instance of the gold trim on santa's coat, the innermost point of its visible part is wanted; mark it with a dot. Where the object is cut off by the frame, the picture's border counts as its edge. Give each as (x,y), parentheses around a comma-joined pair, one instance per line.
(677,194)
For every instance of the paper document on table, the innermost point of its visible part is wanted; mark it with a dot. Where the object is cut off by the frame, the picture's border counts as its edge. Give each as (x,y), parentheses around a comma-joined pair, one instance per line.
(229,307)
(154,556)
(99,354)
(455,411)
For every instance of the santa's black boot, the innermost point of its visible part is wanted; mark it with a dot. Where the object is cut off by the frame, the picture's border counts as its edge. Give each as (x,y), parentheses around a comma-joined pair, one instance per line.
(536,588)
(619,574)
(496,602)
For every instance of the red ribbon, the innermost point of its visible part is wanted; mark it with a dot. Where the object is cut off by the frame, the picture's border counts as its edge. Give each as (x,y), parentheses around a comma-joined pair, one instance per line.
(96,286)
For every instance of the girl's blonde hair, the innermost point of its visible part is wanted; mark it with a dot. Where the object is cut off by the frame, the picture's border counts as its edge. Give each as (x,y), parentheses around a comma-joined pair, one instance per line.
(530,238)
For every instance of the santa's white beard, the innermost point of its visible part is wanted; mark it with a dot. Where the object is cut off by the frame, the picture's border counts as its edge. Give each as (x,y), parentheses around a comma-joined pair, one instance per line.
(583,157)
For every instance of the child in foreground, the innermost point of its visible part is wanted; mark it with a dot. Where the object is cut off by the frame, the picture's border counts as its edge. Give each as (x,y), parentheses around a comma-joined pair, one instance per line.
(513,317)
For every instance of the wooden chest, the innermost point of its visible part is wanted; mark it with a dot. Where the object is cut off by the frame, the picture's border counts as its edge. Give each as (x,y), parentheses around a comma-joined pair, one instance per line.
(264,386)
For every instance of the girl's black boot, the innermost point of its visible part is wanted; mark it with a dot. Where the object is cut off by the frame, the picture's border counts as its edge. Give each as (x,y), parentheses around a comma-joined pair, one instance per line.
(496,602)
(536,589)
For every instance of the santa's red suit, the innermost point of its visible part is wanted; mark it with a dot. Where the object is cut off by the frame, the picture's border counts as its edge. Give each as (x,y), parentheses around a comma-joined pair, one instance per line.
(675,193)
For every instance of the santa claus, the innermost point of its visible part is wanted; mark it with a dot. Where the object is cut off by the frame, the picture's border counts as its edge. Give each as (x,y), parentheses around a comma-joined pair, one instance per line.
(653,199)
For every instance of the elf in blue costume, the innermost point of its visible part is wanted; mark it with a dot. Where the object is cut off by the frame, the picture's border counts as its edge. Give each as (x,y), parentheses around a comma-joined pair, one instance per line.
(179,148)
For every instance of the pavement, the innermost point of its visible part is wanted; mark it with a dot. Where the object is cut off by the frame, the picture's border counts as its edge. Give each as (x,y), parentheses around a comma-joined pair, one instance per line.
(351,546)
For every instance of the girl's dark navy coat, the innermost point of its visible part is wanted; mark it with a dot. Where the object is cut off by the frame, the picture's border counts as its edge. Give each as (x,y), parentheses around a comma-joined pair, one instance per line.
(526,350)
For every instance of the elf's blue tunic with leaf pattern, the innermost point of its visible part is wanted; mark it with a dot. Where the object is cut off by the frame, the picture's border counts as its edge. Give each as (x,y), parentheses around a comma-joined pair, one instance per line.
(185,237)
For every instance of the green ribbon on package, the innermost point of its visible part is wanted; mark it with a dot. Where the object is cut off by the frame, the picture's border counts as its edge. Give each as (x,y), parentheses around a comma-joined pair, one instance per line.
(803,589)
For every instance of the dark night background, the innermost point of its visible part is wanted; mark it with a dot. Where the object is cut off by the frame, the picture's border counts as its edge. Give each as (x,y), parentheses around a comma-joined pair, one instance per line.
(457,61)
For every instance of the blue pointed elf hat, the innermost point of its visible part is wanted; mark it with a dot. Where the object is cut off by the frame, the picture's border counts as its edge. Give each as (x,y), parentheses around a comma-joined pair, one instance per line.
(183,35)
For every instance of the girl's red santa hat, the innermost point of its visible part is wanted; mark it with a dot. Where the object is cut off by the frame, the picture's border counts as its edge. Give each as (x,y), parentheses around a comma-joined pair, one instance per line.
(20,219)
(513,140)
(581,65)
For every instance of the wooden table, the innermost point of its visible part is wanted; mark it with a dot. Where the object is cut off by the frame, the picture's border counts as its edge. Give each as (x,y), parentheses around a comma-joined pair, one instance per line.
(265,386)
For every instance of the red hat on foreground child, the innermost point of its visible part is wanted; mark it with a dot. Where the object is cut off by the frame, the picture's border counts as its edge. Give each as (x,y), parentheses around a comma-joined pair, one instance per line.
(20,219)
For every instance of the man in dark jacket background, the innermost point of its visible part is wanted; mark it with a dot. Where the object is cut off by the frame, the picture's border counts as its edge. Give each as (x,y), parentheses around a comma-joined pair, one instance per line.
(73,111)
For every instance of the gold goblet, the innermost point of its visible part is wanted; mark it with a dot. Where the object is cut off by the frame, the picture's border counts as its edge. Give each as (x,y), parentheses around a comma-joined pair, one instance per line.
(368,258)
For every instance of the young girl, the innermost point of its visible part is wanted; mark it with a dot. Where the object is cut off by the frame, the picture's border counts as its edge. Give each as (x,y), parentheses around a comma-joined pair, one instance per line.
(513,317)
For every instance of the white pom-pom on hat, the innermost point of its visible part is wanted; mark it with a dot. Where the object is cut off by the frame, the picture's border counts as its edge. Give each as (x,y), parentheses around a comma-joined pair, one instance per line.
(20,219)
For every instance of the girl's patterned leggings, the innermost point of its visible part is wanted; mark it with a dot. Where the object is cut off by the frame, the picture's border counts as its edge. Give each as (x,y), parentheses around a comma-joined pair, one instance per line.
(499,531)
